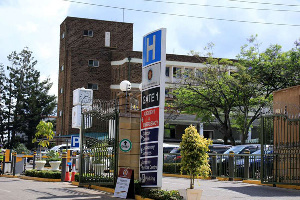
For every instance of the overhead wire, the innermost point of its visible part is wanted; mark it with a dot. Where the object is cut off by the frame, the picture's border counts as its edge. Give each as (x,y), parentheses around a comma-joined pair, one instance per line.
(221,6)
(181,15)
(266,3)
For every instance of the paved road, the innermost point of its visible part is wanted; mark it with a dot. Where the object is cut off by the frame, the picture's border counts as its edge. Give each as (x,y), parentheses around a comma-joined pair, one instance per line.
(19,189)
(227,190)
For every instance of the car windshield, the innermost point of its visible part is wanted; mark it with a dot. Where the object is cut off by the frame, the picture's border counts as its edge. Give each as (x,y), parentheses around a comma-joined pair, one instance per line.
(175,150)
(257,152)
(235,149)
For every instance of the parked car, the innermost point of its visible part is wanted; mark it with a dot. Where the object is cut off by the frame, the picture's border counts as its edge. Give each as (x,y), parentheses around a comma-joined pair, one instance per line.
(255,163)
(173,156)
(60,148)
(219,148)
(167,148)
(239,149)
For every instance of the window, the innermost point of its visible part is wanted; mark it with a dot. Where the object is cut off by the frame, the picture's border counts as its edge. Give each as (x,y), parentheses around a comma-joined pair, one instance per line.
(169,131)
(187,72)
(93,86)
(176,72)
(107,39)
(63,35)
(167,71)
(93,63)
(60,113)
(88,33)
(61,90)
(199,73)
(62,68)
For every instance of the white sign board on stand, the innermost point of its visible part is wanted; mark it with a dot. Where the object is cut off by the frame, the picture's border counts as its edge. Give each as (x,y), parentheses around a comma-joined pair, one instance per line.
(153,102)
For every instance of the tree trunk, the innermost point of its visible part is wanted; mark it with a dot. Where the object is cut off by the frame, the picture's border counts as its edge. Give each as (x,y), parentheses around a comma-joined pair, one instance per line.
(192,178)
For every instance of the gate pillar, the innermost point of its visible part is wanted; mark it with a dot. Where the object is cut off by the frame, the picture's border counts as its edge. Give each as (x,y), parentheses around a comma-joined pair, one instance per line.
(129,128)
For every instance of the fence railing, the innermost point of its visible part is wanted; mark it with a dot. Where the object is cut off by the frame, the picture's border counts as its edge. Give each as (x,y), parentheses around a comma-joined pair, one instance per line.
(244,166)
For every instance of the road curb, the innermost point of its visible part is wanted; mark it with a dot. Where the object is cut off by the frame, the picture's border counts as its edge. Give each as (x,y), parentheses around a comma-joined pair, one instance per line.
(185,176)
(227,179)
(9,176)
(105,189)
(257,182)
(39,179)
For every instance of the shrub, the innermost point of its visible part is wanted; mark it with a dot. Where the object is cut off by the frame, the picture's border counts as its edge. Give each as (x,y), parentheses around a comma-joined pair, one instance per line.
(43,174)
(21,148)
(194,150)
(53,156)
(164,195)
(173,168)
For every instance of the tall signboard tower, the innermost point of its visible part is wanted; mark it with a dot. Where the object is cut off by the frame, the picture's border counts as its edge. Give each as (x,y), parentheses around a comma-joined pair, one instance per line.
(153,102)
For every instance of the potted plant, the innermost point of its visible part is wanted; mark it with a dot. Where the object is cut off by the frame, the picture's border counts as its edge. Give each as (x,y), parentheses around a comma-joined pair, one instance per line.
(44,134)
(54,160)
(194,158)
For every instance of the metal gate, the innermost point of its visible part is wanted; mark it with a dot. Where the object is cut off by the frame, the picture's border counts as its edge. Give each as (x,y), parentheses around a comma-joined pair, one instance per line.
(280,149)
(99,143)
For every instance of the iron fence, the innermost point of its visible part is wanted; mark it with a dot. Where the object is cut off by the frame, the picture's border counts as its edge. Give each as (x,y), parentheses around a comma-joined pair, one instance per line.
(244,166)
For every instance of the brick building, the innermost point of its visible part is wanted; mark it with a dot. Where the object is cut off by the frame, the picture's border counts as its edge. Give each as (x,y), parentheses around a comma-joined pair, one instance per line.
(98,55)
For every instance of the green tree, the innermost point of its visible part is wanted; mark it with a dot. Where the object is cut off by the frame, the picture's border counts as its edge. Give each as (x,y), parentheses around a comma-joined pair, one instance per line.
(211,94)
(194,150)
(260,74)
(43,135)
(27,99)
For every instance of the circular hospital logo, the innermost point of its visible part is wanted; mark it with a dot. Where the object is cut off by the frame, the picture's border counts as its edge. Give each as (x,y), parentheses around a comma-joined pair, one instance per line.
(150,74)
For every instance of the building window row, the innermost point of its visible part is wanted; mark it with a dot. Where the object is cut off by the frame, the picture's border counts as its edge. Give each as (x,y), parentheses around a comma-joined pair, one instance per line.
(178,72)
(88,33)
(93,63)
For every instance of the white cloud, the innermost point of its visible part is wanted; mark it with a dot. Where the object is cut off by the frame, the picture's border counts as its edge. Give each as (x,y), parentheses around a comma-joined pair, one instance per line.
(34,24)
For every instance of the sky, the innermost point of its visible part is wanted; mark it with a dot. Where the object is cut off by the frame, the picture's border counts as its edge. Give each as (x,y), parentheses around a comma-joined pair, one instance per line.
(190,24)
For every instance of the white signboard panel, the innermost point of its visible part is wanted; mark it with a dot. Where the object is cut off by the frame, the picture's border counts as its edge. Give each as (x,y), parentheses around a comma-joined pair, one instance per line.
(76,117)
(151,76)
(82,96)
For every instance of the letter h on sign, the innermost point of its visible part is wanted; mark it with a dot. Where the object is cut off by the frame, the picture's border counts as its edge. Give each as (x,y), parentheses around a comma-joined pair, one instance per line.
(152,48)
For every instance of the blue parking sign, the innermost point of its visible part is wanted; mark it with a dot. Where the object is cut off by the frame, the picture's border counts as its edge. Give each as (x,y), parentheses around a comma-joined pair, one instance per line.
(152,48)
(75,141)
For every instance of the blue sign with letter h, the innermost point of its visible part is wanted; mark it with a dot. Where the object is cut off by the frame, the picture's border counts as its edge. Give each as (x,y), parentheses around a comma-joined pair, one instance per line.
(152,48)
(75,140)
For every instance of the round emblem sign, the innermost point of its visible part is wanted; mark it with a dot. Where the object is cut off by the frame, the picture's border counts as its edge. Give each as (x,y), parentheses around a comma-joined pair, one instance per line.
(125,145)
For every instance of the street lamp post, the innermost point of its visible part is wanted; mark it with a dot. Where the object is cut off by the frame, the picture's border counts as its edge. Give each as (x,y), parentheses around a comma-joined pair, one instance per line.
(125,86)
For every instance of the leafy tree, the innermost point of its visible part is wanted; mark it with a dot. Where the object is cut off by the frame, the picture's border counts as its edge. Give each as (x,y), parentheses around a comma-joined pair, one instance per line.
(194,150)
(212,95)
(260,75)
(27,101)
(43,135)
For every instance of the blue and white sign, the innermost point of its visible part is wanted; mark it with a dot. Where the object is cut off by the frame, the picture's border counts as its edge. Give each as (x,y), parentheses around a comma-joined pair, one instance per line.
(153,98)
(149,135)
(149,178)
(75,141)
(152,47)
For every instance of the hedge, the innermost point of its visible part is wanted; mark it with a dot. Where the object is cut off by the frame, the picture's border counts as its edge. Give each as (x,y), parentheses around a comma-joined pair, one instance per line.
(43,174)
(173,168)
